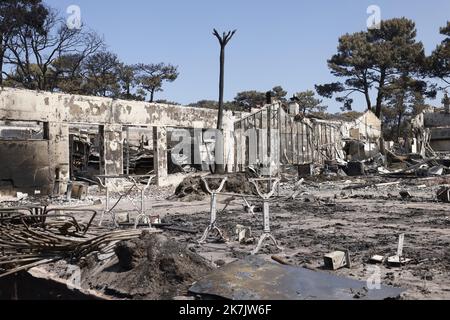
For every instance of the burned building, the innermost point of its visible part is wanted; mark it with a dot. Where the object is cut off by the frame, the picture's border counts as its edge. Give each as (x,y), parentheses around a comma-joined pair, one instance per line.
(66,135)
(41,164)
(48,140)
(362,136)
(431,131)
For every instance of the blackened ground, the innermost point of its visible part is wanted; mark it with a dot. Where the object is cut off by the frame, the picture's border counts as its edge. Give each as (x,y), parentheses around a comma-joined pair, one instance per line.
(367,222)
(152,267)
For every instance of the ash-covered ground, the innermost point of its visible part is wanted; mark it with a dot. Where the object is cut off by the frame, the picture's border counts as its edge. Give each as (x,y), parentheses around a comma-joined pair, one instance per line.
(362,215)
(344,215)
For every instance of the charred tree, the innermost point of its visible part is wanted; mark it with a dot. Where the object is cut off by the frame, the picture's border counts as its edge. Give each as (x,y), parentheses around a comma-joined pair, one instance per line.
(223,41)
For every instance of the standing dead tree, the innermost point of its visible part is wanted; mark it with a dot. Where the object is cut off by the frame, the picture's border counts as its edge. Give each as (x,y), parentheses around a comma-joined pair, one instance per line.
(223,40)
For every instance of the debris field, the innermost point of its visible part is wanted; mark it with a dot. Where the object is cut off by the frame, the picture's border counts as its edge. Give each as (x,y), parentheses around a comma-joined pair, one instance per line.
(86,212)
(364,215)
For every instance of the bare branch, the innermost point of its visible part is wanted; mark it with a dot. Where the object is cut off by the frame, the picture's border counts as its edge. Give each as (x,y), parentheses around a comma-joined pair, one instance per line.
(216,33)
(225,38)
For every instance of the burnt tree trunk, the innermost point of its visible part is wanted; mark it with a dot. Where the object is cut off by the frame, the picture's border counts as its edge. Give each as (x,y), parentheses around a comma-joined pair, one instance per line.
(367,95)
(223,41)
(221,87)
(152,95)
(380,94)
(2,54)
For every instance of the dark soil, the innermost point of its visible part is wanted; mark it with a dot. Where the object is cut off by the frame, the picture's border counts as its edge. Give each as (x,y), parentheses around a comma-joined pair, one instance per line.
(308,231)
(152,267)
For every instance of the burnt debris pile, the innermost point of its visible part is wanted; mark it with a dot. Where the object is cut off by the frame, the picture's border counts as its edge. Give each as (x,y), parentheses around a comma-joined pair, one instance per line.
(150,267)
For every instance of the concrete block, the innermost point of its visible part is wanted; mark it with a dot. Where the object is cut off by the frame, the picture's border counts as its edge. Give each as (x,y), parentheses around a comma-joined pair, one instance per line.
(244,234)
(337,260)
(79,191)
(122,217)
(377,259)
(398,261)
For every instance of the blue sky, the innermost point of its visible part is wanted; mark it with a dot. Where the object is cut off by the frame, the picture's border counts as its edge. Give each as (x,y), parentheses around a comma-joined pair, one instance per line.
(284,42)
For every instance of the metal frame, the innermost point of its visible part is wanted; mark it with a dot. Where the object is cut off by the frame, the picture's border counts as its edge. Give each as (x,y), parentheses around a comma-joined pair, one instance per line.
(213,213)
(267,235)
(135,185)
(42,218)
(33,210)
(85,230)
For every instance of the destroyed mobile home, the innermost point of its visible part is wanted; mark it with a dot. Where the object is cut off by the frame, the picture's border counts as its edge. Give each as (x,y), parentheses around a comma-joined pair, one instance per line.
(111,199)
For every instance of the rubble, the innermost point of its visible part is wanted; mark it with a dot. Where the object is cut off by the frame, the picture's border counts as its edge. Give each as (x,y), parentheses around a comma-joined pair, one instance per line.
(355,169)
(397,261)
(406,195)
(27,241)
(306,170)
(244,235)
(150,267)
(340,186)
(443,194)
(377,259)
(193,189)
(337,260)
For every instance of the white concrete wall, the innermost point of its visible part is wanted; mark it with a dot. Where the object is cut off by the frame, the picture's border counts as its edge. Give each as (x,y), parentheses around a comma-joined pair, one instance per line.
(29,105)
(59,111)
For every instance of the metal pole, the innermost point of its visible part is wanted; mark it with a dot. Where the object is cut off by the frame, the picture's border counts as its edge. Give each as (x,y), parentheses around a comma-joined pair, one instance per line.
(213,208)
(142,201)
(128,150)
(107,196)
(266,209)
(280,109)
